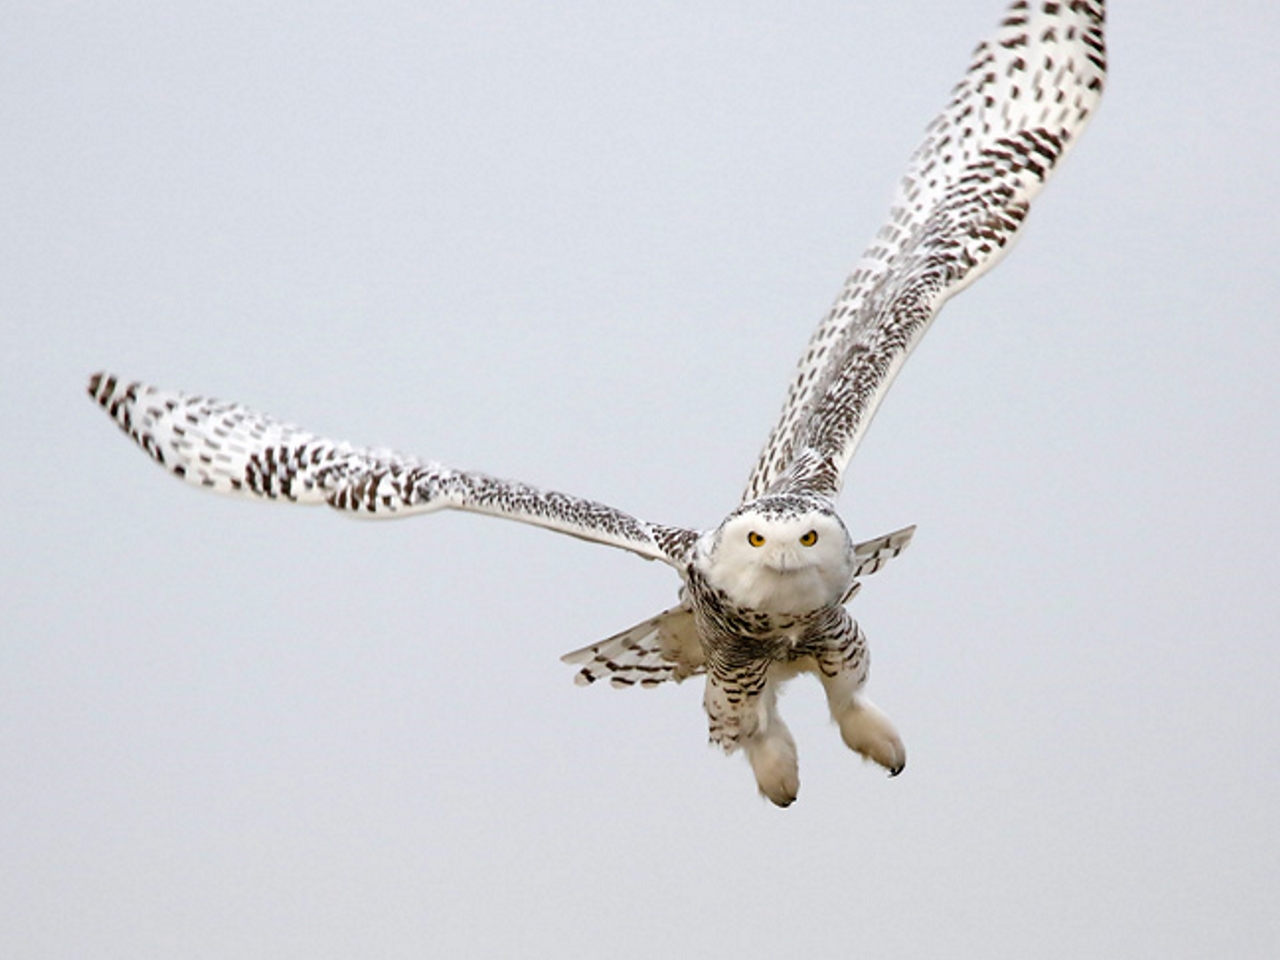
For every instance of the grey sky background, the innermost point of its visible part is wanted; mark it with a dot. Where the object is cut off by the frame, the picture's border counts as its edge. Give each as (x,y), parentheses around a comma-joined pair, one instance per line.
(582,246)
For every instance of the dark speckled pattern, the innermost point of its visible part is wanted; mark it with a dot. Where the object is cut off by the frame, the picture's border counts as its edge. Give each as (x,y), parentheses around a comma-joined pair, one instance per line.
(1026,96)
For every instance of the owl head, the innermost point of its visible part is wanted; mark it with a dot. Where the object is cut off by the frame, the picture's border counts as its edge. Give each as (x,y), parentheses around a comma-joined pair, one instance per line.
(781,554)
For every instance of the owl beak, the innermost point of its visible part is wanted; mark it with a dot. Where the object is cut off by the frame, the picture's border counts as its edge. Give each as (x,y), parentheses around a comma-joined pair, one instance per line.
(784,561)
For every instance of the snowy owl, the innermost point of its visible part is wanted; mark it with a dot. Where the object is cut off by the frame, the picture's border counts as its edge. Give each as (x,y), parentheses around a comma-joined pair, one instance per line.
(763,593)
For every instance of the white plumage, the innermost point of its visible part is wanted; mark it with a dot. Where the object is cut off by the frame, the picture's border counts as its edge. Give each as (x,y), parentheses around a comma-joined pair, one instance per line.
(762,594)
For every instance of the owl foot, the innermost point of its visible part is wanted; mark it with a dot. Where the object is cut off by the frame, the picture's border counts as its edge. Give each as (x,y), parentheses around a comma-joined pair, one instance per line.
(866,730)
(773,760)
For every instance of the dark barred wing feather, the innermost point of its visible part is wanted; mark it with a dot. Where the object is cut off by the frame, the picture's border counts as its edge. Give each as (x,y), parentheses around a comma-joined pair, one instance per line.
(662,648)
(231,449)
(1026,96)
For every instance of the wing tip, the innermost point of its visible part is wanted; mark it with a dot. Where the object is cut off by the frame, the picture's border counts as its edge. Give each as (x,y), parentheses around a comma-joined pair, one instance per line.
(102,386)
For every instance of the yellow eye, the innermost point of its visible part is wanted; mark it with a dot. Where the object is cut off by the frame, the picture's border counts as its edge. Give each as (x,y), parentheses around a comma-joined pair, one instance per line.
(809,539)
(755,539)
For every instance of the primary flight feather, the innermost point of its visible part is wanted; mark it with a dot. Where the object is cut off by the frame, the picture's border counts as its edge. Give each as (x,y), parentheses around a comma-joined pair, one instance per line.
(763,593)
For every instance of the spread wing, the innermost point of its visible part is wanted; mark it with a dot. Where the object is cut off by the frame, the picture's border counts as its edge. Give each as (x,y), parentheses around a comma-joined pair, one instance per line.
(231,449)
(1026,96)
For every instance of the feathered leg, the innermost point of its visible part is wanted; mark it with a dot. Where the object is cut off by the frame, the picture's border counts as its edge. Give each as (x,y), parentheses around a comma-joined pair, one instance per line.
(842,667)
(772,751)
(743,713)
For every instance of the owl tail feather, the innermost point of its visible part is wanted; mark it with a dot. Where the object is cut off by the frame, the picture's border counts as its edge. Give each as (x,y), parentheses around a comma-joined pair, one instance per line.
(662,648)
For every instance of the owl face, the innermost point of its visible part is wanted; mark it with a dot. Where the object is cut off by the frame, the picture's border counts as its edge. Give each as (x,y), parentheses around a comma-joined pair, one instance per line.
(785,562)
